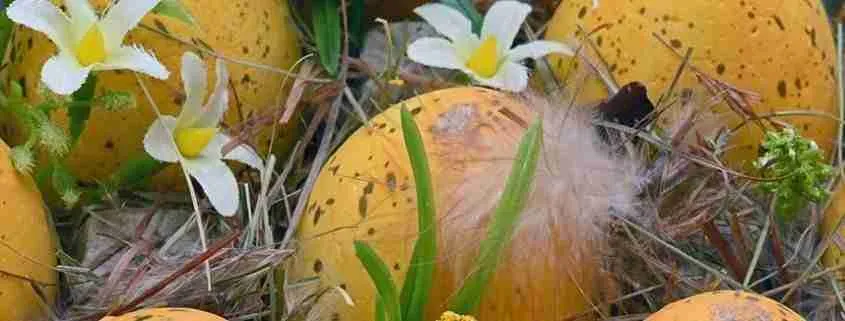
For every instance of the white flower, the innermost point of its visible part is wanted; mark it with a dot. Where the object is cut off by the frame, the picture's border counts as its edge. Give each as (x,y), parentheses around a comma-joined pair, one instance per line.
(195,138)
(488,59)
(86,42)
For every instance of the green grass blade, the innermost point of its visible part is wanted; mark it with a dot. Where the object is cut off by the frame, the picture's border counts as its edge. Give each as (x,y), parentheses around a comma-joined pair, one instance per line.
(419,279)
(357,24)
(503,222)
(380,275)
(380,316)
(175,9)
(326,18)
(80,109)
(6,27)
(136,170)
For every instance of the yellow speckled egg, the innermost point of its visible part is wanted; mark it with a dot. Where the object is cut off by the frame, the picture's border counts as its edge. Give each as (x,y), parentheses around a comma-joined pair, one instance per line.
(28,250)
(257,31)
(782,50)
(725,305)
(365,192)
(166,314)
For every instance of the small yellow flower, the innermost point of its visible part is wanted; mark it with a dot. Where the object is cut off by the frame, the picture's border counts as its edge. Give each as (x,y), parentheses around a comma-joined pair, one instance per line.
(452,316)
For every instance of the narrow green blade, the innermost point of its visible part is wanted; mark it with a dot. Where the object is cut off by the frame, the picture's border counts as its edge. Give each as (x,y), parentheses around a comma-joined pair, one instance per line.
(327,33)
(420,276)
(503,222)
(175,9)
(380,275)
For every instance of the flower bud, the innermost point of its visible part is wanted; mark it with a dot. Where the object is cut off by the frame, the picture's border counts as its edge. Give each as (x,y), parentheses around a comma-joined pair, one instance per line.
(22,158)
(54,138)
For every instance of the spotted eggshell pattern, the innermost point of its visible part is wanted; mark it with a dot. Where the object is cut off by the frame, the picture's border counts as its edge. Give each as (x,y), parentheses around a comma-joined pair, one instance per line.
(725,305)
(365,192)
(781,49)
(29,245)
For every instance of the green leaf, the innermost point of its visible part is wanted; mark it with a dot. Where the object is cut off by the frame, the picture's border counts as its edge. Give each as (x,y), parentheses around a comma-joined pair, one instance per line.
(468,9)
(133,172)
(419,279)
(356,25)
(80,109)
(380,275)
(175,9)
(6,27)
(380,314)
(62,178)
(800,169)
(503,222)
(44,176)
(327,33)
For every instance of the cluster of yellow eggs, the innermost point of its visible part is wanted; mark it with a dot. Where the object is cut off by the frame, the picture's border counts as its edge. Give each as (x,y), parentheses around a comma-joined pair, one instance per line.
(112,138)
(782,50)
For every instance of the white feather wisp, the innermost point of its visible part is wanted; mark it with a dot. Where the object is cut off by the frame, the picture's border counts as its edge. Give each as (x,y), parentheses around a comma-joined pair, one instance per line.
(552,267)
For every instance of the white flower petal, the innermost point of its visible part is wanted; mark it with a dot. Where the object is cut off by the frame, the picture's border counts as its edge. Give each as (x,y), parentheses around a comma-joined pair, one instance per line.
(82,17)
(135,59)
(511,76)
(63,74)
(435,52)
(218,103)
(538,49)
(195,80)
(242,153)
(121,18)
(158,141)
(446,20)
(466,47)
(44,17)
(503,21)
(217,181)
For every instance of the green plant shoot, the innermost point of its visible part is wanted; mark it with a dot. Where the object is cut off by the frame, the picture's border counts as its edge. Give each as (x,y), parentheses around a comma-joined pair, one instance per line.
(503,223)
(380,274)
(799,163)
(419,279)
(327,33)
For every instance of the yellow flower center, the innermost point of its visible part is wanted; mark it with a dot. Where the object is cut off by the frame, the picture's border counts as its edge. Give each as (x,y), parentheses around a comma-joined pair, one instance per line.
(192,141)
(92,48)
(452,316)
(485,60)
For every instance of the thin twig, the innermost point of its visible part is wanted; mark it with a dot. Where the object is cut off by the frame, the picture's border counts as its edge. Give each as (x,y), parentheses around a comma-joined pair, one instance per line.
(191,265)
(325,142)
(758,251)
(681,253)
(233,60)
(718,241)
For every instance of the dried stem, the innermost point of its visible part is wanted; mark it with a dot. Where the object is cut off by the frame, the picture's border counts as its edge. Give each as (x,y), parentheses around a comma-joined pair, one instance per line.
(718,241)
(188,267)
